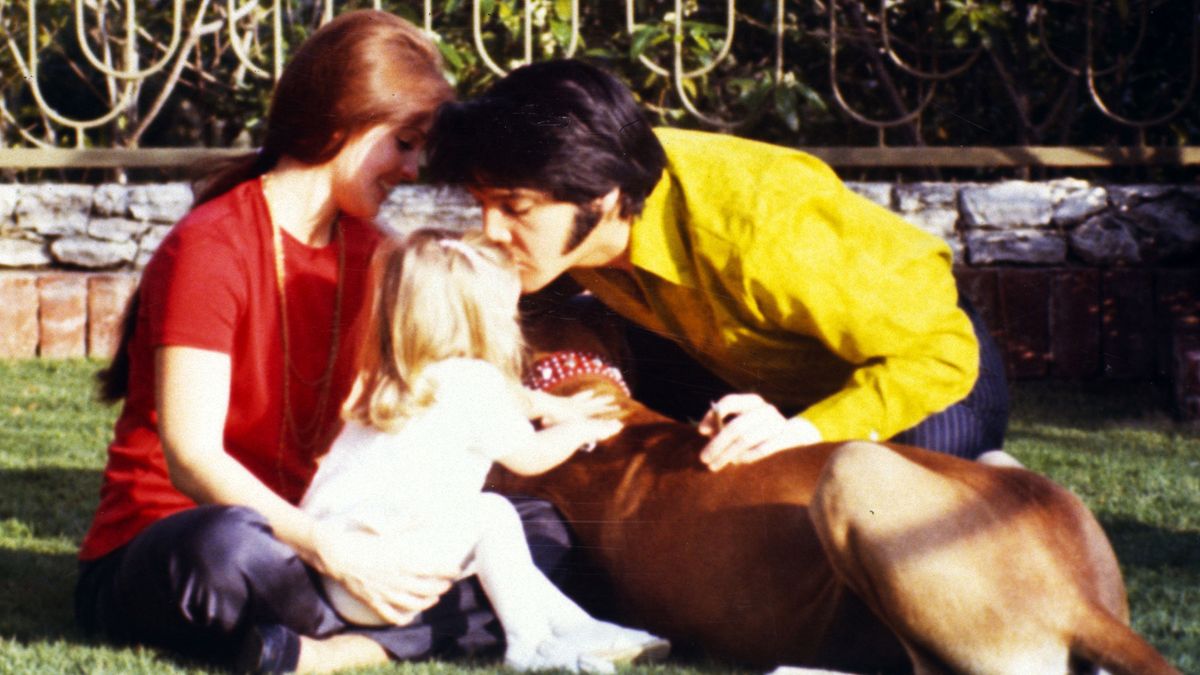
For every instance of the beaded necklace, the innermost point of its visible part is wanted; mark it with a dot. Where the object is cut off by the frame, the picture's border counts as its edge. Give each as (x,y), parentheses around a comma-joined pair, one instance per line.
(306,435)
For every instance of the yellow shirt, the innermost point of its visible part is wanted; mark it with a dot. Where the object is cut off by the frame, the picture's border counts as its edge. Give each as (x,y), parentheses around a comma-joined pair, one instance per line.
(782,281)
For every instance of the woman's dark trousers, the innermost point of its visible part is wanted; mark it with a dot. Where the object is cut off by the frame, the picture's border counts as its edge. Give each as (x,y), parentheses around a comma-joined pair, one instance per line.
(196,581)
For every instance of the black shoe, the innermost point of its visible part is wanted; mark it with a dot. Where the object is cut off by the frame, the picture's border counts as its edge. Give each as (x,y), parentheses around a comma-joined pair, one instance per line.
(268,648)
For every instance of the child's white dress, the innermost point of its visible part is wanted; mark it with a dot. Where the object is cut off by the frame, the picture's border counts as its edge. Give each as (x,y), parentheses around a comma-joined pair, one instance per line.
(420,486)
(422,482)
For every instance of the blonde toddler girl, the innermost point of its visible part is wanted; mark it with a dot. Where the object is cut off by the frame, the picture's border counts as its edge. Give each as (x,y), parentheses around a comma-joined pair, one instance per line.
(436,402)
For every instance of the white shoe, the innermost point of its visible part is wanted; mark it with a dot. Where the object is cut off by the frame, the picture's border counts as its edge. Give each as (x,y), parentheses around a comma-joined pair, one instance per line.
(613,643)
(588,647)
(555,654)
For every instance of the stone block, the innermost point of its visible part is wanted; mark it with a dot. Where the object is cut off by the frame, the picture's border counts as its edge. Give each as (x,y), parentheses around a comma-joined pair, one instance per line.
(1127,322)
(162,203)
(1007,205)
(1169,229)
(108,297)
(8,203)
(116,229)
(93,254)
(913,197)
(149,243)
(1025,313)
(880,193)
(431,197)
(1074,323)
(409,207)
(933,207)
(1125,197)
(942,222)
(111,200)
(23,253)
(1076,200)
(1027,246)
(62,315)
(54,209)
(1106,239)
(18,315)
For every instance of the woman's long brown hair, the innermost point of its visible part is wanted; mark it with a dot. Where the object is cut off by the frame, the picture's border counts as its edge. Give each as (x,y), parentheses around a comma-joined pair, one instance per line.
(363,68)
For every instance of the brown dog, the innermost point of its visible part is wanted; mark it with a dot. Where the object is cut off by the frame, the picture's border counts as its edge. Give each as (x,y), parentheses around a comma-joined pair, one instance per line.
(858,556)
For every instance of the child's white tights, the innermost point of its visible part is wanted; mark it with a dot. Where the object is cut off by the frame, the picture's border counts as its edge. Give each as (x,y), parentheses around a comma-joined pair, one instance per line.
(543,627)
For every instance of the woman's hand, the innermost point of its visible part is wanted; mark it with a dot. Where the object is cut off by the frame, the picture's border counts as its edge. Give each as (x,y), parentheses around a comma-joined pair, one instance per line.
(745,428)
(363,562)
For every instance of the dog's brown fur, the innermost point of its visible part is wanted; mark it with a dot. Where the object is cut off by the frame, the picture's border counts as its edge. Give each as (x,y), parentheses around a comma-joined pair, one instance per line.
(857,556)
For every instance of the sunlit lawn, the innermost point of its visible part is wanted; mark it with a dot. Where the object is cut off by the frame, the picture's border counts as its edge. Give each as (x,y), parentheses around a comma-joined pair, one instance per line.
(1138,470)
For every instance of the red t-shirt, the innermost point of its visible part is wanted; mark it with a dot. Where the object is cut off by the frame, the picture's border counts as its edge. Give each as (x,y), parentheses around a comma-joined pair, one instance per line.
(212,285)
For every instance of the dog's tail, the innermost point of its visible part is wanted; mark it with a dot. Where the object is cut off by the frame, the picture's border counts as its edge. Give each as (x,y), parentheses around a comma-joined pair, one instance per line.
(1105,641)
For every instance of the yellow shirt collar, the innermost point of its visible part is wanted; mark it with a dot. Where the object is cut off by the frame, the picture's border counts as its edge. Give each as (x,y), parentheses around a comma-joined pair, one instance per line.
(658,242)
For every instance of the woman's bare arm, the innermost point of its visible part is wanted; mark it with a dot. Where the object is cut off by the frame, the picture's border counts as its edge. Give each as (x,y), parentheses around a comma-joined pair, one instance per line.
(192,398)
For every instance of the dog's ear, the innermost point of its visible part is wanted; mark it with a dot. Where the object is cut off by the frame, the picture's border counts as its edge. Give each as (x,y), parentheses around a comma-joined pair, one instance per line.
(562,318)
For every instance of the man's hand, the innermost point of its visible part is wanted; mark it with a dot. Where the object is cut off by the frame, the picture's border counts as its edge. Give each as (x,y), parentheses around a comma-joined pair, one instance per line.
(745,428)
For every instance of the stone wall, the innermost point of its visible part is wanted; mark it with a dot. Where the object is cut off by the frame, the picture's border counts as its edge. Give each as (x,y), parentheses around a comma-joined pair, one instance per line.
(85,227)
(1076,279)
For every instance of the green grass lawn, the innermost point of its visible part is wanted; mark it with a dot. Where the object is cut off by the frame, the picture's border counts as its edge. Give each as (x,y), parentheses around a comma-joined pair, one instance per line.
(1138,471)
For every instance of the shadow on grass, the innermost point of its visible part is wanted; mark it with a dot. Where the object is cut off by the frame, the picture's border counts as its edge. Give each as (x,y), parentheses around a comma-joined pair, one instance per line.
(1140,545)
(41,511)
(37,606)
(1080,404)
(50,502)
(36,595)
(1162,576)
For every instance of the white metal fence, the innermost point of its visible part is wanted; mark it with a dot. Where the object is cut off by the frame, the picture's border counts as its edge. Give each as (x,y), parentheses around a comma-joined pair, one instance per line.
(129,59)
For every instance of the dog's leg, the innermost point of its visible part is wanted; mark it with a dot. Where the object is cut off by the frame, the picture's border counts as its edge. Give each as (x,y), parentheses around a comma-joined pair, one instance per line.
(953,561)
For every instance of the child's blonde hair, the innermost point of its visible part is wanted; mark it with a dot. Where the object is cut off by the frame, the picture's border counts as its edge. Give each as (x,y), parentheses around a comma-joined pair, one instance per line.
(438,295)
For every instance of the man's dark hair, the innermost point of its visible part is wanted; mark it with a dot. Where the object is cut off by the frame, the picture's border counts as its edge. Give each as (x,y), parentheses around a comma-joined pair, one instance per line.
(563,127)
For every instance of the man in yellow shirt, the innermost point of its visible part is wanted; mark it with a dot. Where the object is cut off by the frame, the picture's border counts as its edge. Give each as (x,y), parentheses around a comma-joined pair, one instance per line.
(815,313)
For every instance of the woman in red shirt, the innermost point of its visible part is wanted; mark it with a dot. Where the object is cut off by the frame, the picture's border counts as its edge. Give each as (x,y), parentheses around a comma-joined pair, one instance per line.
(238,352)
